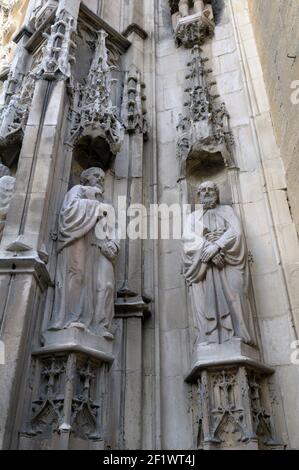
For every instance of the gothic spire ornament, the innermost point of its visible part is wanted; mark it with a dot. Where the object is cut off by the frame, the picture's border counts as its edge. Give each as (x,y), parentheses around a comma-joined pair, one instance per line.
(92,111)
(203,132)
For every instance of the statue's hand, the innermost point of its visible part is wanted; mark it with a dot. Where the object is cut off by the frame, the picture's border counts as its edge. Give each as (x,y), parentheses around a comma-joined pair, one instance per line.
(209,252)
(110,250)
(218,260)
(215,235)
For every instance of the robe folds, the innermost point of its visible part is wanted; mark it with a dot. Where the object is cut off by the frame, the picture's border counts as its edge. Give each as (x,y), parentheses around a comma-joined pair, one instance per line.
(84,291)
(219,297)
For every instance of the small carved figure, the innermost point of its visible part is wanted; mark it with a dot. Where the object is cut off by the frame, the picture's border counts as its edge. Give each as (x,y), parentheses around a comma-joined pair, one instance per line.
(7,184)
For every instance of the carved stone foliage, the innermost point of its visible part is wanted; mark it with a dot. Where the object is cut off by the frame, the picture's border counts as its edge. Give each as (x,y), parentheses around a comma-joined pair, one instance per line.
(233,410)
(192,22)
(203,132)
(58,53)
(92,112)
(133,113)
(16,98)
(69,393)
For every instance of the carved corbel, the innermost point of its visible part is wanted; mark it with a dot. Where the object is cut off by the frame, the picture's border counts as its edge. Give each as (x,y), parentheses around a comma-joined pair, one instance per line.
(193,22)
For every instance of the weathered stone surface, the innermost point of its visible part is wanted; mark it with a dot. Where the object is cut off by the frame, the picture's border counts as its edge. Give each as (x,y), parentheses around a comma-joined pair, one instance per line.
(279,58)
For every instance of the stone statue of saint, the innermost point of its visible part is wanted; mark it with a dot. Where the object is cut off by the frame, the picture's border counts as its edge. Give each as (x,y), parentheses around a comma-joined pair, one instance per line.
(216,269)
(7,185)
(84,293)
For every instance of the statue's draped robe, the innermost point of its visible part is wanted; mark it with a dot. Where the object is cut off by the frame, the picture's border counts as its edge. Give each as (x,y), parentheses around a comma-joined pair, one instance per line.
(84,290)
(220,299)
(7,184)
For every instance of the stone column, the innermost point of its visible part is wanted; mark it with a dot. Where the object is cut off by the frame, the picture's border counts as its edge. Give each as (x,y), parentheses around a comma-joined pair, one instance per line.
(130,304)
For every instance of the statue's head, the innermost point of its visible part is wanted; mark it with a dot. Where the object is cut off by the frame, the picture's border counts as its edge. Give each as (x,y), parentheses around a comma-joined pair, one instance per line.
(208,193)
(4,170)
(93,177)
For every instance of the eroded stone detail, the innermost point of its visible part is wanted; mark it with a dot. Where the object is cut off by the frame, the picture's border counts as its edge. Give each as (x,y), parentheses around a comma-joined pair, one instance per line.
(133,113)
(58,53)
(67,401)
(14,111)
(42,12)
(92,111)
(192,21)
(11,16)
(204,131)
(230,417)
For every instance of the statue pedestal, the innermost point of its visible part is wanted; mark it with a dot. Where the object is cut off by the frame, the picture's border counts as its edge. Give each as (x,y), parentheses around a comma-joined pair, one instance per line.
(232,352)
(75,339)
(70,392)
(234,408)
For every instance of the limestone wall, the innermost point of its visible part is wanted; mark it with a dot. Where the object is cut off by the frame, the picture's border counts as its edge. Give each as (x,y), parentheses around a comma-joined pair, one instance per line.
(276,31)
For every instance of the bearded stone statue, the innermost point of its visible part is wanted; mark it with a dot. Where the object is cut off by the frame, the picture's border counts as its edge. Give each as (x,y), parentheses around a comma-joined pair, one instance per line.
(84,293)
(216,269)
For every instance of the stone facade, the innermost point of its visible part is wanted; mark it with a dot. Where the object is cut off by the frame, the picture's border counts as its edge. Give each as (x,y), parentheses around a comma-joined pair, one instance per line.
(120,343)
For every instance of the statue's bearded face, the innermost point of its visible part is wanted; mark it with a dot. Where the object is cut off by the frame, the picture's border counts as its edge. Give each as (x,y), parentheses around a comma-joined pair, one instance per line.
(208,195)
(95,178)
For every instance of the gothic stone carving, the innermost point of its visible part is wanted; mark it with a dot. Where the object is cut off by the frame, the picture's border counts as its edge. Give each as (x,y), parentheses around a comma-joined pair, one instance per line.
(11,17)
(91,109)
(42,12)
(234,412)
(192,25)
(204,131)
(7,184)
(58,53)
(216,270)
(69,393)
(84,294)
(133,114)
(14,111)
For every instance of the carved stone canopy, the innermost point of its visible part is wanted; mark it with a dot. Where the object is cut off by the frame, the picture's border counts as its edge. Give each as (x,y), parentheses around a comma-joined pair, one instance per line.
(92,112)
(203,131)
